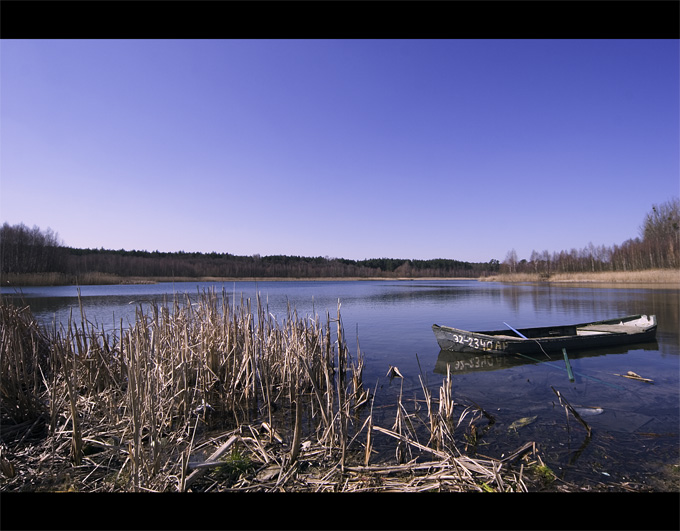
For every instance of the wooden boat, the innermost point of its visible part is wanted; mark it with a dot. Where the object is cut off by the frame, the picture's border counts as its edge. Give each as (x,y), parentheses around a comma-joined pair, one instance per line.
(624,330)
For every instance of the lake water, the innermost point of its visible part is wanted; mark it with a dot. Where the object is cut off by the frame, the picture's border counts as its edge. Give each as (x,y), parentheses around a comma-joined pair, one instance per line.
(636,426)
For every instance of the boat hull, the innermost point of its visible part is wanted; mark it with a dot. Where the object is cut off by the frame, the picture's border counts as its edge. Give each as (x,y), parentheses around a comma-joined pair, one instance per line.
(624,330)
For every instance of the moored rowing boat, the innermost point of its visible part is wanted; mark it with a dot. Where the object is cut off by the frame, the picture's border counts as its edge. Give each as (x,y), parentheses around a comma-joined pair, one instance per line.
(623,330)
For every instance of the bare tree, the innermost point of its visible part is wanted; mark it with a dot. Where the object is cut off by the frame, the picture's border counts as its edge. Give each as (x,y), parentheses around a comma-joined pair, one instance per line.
(511,261)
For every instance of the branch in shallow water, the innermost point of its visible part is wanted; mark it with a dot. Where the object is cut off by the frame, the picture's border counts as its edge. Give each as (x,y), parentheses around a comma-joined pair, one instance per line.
(568,406)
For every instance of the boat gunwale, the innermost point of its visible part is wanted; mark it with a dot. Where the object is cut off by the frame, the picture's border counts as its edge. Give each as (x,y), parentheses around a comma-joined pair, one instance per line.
(504,334)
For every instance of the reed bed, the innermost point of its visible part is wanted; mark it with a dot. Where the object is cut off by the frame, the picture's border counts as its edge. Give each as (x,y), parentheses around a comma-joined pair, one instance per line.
(650,277)
(204,394)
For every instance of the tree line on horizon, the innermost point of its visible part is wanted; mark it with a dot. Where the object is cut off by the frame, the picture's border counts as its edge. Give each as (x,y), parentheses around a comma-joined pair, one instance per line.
(657,247)
(31,250)
(25,250)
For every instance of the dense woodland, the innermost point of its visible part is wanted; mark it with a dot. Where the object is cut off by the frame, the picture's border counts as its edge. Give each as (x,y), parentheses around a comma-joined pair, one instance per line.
(24,250)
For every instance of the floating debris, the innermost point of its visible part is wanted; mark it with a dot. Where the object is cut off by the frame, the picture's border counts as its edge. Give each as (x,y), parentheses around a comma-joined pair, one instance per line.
(589,411)
(525,421)
(393,372)
(634,376)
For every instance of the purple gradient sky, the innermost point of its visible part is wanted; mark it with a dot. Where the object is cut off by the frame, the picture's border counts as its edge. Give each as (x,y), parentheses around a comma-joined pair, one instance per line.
(460,149)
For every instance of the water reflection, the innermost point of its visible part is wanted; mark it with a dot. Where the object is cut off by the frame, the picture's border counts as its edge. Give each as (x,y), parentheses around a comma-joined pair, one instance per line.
(466,362)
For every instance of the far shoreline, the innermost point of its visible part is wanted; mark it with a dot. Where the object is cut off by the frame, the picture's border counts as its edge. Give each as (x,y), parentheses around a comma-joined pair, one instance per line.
(650,279)
(91,279)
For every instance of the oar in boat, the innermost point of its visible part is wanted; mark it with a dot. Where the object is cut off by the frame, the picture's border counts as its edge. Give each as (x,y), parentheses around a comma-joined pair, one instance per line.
(515,331)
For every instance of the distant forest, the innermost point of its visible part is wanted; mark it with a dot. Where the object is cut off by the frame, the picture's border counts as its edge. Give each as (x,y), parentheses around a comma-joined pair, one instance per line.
(30,251)
(24,250)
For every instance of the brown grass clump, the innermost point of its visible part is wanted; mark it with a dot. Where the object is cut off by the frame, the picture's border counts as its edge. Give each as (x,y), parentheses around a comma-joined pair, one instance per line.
(207,395)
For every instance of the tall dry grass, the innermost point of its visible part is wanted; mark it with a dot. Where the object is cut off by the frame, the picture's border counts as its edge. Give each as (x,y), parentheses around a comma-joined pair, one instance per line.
(24,354)
(653,277)
(650,276)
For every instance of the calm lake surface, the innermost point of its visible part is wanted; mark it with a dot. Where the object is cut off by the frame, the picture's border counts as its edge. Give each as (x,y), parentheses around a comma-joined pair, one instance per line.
(635,427)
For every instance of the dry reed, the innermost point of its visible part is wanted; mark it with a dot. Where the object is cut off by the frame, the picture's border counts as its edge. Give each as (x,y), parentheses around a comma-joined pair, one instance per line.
(649,277)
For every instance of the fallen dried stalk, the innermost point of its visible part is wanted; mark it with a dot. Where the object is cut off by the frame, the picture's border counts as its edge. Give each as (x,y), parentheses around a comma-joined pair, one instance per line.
(408,441)
(196,474)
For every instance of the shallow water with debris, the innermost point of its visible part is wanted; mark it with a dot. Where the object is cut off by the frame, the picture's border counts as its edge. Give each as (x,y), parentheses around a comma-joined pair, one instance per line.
(635,425)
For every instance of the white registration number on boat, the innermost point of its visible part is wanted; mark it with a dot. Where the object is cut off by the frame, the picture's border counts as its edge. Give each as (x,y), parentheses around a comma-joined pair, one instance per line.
(478,343)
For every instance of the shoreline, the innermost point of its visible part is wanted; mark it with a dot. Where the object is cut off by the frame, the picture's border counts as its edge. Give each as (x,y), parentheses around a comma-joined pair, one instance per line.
(59,279)
(651,279)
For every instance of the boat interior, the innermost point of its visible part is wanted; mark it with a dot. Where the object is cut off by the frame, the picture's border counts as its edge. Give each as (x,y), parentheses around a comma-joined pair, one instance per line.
(627,326)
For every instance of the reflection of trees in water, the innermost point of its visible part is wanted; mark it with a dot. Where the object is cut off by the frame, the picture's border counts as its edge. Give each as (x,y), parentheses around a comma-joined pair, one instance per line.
(665,305)
(549,299)
(435,294)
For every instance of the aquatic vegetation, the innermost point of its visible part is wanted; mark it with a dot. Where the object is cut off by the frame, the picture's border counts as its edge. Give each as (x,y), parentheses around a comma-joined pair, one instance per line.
(543,472)
(234,465)
(206,394)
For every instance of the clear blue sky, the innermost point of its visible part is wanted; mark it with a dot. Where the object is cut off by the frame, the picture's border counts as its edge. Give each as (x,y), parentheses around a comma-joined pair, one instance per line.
(460,149)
